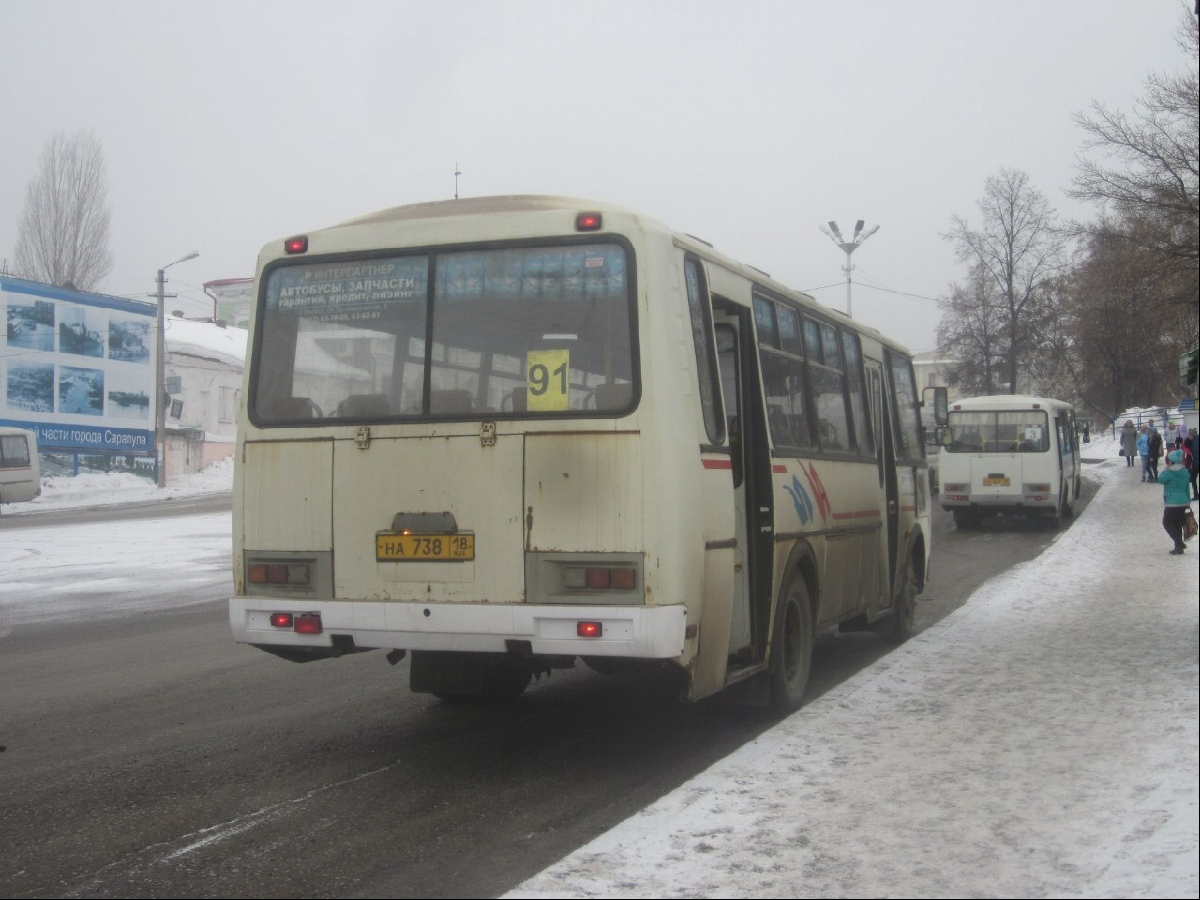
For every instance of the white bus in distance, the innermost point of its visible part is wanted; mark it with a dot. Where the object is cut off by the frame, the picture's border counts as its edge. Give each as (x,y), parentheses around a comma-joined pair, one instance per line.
(504,434)
(1009,454)
(20,470)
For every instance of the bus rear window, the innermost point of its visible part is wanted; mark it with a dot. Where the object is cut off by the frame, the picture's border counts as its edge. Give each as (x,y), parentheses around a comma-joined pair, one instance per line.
(516,331)
(999,432)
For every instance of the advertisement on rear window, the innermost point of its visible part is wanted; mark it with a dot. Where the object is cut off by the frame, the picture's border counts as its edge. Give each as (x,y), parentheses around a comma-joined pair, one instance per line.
(359,292)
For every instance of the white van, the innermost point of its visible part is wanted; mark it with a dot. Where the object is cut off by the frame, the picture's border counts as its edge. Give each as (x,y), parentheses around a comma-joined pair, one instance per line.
(1009,454)
(20,472)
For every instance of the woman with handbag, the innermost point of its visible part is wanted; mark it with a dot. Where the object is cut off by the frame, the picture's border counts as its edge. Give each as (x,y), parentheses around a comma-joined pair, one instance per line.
(1176,483)
(1129,436)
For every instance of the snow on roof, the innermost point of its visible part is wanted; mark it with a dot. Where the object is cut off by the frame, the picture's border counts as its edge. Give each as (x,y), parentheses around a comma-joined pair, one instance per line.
(206,340)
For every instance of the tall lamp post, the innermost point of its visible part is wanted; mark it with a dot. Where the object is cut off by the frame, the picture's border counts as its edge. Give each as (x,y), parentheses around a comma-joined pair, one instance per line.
(160,422)
(848,246)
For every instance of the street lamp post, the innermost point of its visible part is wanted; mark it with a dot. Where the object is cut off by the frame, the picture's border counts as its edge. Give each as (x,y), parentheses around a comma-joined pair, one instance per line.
(848,246)
(160,421)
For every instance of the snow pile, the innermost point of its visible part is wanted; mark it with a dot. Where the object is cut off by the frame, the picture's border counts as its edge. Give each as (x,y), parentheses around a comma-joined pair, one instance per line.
(91,489)
(207,341)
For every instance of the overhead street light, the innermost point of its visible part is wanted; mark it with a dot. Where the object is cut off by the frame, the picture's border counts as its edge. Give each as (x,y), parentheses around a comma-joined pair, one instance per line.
(848,246)
(160,421)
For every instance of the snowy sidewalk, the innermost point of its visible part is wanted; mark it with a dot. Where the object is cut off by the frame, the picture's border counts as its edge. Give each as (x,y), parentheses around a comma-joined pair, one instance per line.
(1041,741)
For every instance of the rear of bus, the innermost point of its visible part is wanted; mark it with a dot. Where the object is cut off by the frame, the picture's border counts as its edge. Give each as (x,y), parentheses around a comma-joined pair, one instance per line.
(442,451)
(1009,455)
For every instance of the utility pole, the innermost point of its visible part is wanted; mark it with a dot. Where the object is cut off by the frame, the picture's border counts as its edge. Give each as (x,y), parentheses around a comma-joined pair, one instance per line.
(160,419)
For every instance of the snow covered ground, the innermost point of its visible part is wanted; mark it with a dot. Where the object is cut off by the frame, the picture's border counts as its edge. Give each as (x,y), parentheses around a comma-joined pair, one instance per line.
(1041,741)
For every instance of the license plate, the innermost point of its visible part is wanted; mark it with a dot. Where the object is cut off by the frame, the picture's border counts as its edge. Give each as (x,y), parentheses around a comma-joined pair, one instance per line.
(996,481)
(392,547)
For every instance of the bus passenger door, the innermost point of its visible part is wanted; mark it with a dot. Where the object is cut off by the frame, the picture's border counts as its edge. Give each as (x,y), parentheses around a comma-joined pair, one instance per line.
(753,494)
(727,361)
(881,422)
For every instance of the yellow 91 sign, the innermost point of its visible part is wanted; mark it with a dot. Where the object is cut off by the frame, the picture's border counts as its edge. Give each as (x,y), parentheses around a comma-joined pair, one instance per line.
(547,381)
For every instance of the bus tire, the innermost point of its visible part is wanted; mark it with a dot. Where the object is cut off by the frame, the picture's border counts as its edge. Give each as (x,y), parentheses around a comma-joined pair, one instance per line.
(791,647)
(1068,505)
(1054,518)
(900,624)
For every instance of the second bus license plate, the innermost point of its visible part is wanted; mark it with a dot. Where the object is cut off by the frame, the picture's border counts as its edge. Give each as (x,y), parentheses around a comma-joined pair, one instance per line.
(392,547)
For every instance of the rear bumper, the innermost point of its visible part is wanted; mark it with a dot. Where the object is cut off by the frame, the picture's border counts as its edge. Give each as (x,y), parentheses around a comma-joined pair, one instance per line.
(635,632)
(999,503)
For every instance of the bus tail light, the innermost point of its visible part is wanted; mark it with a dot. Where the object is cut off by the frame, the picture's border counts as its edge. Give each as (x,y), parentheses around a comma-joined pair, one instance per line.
(278,573)
(307,623)
(954,488)
(600,578)
(589,629)
(301,623)
(1036,488)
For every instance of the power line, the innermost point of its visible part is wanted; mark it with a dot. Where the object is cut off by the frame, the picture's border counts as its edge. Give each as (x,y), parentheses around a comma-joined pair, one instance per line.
(876,286)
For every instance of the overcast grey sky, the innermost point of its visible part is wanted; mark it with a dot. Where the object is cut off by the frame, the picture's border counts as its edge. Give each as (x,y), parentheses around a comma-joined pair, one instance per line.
(226,125)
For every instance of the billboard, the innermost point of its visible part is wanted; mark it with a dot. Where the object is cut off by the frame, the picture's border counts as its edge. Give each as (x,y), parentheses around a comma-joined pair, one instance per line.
(78,368)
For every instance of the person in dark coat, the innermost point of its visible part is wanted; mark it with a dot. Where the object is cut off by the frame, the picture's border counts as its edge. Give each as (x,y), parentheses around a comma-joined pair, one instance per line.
(1155,452)
(1129,442)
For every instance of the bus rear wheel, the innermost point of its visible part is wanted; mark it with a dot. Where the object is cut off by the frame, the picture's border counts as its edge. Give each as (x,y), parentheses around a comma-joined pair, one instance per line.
(898,626)
(791,647)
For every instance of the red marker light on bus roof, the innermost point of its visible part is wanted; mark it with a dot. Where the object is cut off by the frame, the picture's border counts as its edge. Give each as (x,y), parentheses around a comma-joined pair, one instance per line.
(296,245)
(588,222)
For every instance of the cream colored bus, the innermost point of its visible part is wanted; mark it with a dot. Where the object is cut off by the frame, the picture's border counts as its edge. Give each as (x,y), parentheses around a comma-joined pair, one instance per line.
(505,434)
(1013,454)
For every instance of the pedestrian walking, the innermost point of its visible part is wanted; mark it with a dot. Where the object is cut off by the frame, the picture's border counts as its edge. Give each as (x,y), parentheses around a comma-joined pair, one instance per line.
(1129,436)
(1143,449)
(1174,479)
(1181,433)
(1155,447)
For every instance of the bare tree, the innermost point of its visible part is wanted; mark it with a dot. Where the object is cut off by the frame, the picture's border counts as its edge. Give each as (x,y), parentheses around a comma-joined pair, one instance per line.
(1053,363)
(63,234)
(1018,251)
(1128,344)
(1144,170)
(972,334)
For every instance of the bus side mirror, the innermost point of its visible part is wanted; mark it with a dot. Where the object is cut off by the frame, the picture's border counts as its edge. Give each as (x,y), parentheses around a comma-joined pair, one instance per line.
(941,404)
